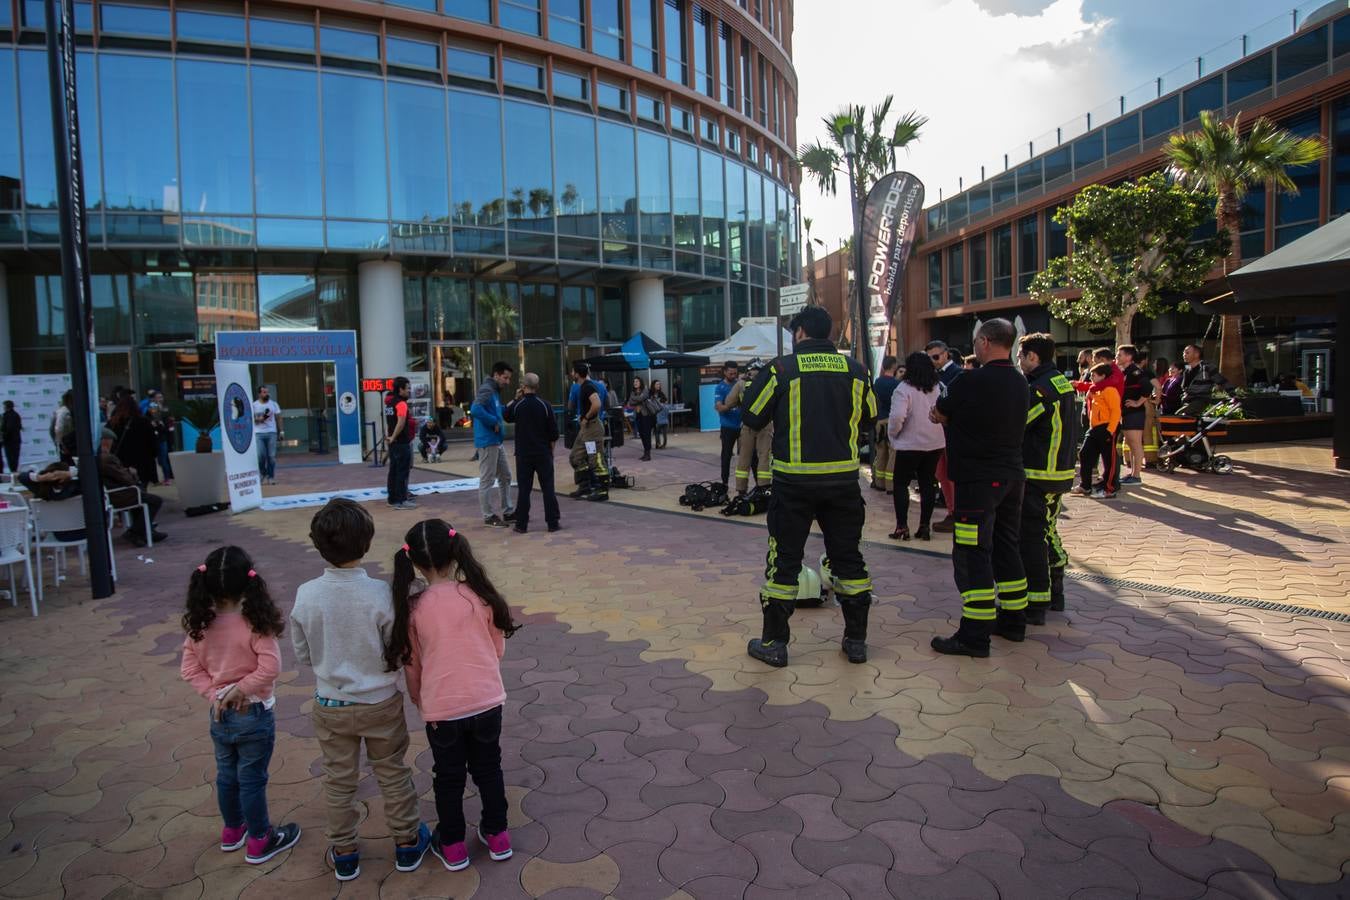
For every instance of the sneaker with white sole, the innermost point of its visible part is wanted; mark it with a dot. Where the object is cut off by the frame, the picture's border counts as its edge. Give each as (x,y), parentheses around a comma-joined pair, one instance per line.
(407,859)
(455,857)
(346,866)
(281,838)
(232,839)
(499,844)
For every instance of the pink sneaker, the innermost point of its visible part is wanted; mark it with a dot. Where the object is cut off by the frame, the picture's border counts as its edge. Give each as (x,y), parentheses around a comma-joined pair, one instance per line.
(454,857)
(233,838)
(499,844)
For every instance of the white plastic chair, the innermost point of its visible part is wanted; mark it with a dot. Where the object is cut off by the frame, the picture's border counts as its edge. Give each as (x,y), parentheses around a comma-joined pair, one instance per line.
(14,550)
(126,511)
(50,517)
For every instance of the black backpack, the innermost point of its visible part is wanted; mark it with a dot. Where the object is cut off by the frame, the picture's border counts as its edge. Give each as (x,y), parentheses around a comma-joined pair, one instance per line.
(752,504)
(703,494)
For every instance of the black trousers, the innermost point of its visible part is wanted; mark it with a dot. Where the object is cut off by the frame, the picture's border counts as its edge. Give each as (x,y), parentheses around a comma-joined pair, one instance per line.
(1042,550)
(469,747)
(909,465)
(841,511)
(12,455)
(986,557)
(527,469)
(729,438)
(645,424)
(1100,443)
(400,465)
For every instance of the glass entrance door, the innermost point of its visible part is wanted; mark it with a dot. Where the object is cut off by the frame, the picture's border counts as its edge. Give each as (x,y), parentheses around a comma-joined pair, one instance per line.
(452,388)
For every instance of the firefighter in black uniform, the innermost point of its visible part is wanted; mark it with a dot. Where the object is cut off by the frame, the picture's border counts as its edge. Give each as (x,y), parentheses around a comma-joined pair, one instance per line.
(985,414)
(818,402)
(1048,455)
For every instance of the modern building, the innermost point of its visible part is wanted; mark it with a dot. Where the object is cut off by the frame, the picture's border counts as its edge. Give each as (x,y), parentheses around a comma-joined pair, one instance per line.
(981,247)
(460,181)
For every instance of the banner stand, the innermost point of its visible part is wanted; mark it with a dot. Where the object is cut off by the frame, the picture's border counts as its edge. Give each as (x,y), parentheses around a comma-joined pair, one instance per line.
(236,435)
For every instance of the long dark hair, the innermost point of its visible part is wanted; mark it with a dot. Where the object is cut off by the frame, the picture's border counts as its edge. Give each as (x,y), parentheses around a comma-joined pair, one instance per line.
(433,545)
(228,574)
(919,371)
(126,410)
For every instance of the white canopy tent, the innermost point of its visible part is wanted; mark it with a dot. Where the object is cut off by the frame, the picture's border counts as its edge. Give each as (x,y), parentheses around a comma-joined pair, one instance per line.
(755,339)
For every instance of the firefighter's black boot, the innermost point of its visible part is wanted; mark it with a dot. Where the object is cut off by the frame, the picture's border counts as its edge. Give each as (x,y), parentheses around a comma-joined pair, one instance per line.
(855,626)
(1011,625)
(971,639)
(1036,613)
(772,647)
(1057,589)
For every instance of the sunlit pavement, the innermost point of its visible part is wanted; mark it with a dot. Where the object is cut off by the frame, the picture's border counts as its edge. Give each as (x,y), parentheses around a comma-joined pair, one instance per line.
(1183,731)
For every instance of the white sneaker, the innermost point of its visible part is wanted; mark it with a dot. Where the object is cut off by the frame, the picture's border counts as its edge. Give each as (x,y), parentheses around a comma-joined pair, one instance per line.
(1098,494)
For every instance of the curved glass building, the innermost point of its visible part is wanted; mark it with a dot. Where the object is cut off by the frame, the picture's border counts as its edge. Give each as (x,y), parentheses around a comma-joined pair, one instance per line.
(459,181)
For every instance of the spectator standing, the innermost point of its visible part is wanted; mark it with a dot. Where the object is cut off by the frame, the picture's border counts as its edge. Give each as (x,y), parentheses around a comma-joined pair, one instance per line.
(164,427)
(947,372)
(11,436)
(1100,440)
(1139,387)
(644,414)
(588,450)
(63,423)
(1169,393)
(399,429)
(883,464)
(985,414)
(267,431)
(488,436)
(754,451)
(728,410)
(134,442)
(918,443)
(1198,382)
(661,432)
(536,433)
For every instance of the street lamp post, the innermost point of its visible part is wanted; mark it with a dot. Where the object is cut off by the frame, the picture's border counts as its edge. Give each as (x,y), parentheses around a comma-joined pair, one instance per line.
(859,332)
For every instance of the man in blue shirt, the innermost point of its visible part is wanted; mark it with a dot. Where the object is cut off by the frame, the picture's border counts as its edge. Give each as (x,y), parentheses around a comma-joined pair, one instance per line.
(728,416)
(493,469)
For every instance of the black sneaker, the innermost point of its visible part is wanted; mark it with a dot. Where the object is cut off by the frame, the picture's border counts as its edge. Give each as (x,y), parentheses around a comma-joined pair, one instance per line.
(283,837)
(509,515)
(772,652)
(346,866)
(554,527)
(495,521)
(954,646)
(407,859)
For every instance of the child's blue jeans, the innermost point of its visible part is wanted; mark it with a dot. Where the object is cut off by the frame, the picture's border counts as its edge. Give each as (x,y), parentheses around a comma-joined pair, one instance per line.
(243,741)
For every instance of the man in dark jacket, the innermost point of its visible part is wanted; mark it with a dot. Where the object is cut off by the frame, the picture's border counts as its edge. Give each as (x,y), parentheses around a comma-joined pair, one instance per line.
(1198,381)
(819,402)
(536,433)
(1048,455)
(985,412)
(11,436)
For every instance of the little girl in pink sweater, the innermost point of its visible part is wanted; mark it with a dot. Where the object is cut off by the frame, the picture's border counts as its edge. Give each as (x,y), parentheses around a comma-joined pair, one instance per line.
(230,656)
(449,638)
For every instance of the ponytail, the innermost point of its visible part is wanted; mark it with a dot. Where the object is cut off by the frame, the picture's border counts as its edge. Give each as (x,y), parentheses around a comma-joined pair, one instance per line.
(228,573)
(398,652)
(470,572)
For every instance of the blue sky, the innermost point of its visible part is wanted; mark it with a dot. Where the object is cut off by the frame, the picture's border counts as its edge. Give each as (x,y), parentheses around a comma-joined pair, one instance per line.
(994,74)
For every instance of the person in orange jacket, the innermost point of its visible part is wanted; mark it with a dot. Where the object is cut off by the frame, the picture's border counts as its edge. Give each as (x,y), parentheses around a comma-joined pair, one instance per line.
(1100,441)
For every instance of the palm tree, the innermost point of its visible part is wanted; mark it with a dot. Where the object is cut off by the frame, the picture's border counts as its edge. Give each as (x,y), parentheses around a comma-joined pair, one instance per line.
(807,222)
(1219,159)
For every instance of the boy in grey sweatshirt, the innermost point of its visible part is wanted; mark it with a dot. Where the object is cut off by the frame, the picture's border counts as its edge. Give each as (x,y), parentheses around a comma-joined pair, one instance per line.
(340,626)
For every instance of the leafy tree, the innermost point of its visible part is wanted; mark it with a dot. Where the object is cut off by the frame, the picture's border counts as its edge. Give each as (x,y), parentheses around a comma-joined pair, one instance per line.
(1133,245)
(1221,161)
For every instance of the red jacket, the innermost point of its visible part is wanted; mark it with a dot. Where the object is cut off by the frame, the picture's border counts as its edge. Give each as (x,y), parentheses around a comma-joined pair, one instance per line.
(1116,380)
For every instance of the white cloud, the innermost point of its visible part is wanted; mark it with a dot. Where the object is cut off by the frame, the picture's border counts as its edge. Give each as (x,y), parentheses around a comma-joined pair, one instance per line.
(988,83)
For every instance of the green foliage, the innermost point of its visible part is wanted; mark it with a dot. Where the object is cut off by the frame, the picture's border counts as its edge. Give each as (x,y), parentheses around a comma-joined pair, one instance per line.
(1133,250)
(202,415)
(1218,159)
(877,140)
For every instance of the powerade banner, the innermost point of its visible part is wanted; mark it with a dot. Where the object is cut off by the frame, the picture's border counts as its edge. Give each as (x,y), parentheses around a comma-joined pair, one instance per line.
(235,398)
(890,218)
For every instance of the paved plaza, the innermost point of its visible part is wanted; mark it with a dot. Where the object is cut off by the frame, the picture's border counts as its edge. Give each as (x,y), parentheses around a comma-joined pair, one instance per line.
(1184,731)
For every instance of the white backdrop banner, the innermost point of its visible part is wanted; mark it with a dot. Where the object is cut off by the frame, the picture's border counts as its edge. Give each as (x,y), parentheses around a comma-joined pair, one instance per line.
(236,435)
(36,398)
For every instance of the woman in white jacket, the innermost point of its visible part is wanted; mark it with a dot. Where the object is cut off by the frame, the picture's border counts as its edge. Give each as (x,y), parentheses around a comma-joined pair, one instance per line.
(918,444)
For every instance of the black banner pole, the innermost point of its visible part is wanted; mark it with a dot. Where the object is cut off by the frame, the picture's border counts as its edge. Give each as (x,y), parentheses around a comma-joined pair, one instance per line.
(75,284)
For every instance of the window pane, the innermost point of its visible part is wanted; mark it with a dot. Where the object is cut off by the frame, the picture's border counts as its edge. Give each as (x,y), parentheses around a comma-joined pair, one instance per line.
(684,182)
(1056,237)
(166,308)
(1005,187)
(286,160)
(1028,252)
(210,27)
(1003,259)
(1302,54)
(607,29)
(1340,197)
(523,74)
(574,87)
(578,312)
(353,142)
(956,291)
(529,177)
(612,97)
(566,23)
(979,200)
(287,302)
(539,311)
(112,309)
(473,10)
(714,204)
(645,19)
(213,137)
(1058,163)
(979,276)
(654,187)
(417,167)
(1249,77)
(353,44)
(1304,205)
(140,169)
(469,63)
(1207,94)
(618,183)
(1161,117)
(519,15)
(574,152)
(736,215)
(754,212)
(11,186)
(1088,149)
(1122,135)
(142,21)
(226,301)
(498,306)
(703,52)
(935,280)
(475,159)
(282,35)
(414,54)
(1029,177)
(449,309)
(337,302)
(677,49)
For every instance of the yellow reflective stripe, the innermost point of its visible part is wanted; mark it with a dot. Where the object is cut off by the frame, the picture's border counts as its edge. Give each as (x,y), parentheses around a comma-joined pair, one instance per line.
(1035,412)
(794,421)
(823,468)
(1056,438)
(763,399)
(968,528)
(967,540)
(856,416)
(1013,604)
(855,582)
(974,595)
(778,591)
(871,401)
(1050,474)
(1038,596)
(978,614)
(1018,585)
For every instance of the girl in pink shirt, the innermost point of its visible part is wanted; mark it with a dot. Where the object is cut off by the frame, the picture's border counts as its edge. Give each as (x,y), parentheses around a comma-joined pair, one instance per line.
(449,637)
(231,658)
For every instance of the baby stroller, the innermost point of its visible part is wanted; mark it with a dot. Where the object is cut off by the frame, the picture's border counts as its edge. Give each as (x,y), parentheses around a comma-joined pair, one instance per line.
(1185,440)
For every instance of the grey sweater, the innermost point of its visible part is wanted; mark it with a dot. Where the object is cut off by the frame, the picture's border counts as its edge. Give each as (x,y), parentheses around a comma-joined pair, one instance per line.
(339,626)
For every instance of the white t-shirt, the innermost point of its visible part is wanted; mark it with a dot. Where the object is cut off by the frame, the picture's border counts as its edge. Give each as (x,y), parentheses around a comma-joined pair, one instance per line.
(268,425)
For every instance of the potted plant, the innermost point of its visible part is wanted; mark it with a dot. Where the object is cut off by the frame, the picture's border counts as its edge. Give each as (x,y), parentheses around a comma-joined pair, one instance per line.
(202,415)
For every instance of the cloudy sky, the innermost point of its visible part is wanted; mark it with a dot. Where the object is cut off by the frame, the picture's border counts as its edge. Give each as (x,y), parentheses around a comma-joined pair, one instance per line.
(992,75)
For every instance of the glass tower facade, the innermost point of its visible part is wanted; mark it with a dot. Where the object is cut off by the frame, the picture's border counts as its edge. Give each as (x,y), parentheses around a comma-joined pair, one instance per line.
(241,169)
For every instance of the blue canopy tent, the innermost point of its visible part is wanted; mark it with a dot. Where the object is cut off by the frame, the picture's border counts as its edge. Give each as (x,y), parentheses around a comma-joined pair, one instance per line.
(640,353)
